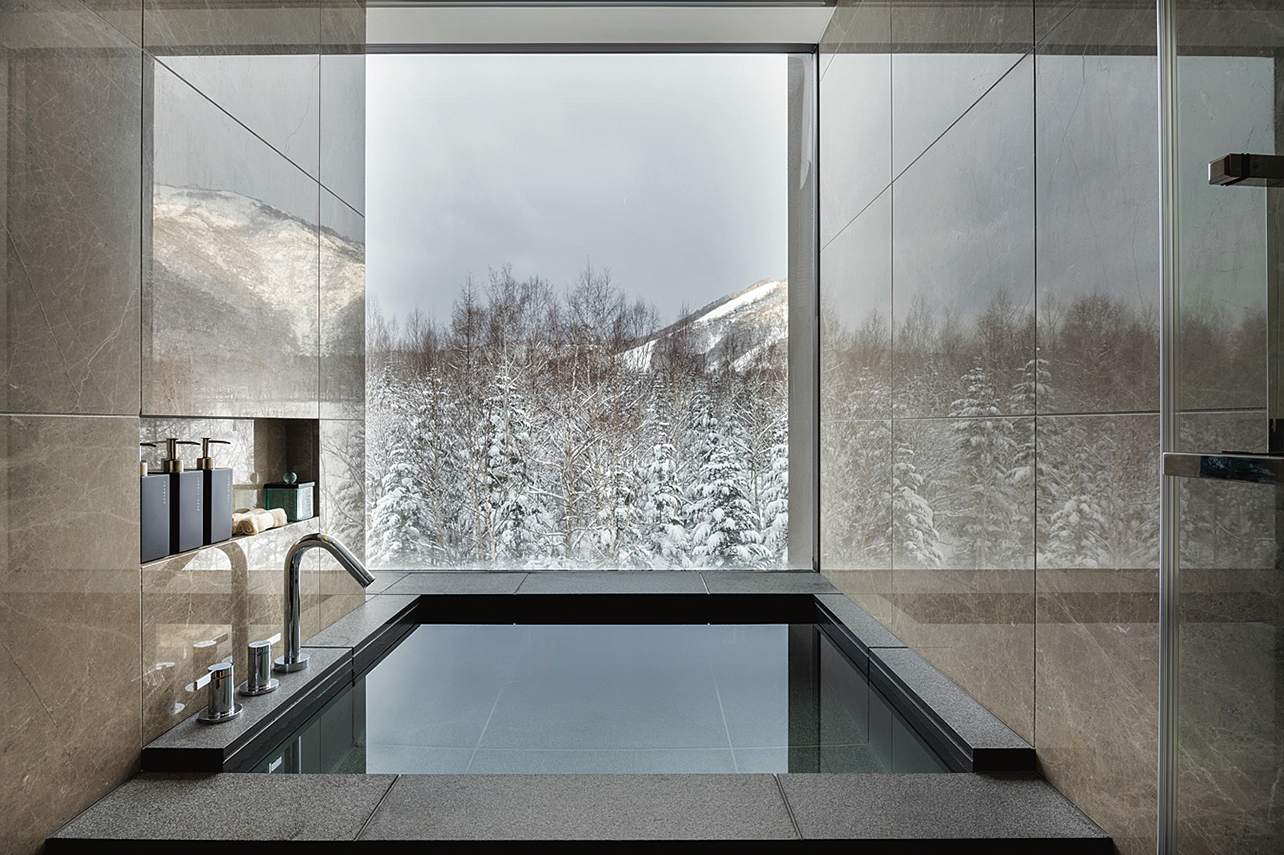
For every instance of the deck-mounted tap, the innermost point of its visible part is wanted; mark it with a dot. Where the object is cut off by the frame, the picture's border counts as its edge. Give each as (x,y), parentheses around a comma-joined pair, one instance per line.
(294,659)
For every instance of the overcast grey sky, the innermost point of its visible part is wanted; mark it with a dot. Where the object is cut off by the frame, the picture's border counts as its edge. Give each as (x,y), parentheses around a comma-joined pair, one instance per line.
(669,170)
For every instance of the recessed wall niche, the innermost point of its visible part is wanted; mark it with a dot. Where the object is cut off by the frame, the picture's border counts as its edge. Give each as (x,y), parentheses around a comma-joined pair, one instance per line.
(260,451)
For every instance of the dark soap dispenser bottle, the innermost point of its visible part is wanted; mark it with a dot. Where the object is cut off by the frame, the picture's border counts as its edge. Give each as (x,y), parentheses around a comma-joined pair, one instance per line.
(216,495)
(153,524)
(186,498)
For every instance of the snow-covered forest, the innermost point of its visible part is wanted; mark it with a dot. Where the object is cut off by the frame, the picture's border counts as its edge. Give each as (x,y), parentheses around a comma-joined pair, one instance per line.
(540,428)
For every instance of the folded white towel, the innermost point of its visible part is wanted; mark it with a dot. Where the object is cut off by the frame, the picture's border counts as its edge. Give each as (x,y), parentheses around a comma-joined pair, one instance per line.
(254,521)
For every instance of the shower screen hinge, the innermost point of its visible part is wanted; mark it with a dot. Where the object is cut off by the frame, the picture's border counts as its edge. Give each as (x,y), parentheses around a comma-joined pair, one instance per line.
(1249,170)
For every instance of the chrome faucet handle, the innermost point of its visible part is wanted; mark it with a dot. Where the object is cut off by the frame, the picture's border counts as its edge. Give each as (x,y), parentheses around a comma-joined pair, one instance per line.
(222,704)
(261,681)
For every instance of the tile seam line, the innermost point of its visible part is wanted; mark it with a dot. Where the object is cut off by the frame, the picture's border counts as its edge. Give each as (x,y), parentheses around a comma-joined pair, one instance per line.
(361,831)
(789,809)
(159,60)
(1028,54)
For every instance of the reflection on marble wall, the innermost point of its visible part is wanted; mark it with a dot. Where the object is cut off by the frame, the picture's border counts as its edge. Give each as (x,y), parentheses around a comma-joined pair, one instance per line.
(855,147)
(342,493)
(232,327)
(69,618)
(343,95)
(69,205)
(856,317)
(997,523)
(1098,238)
(204,606)
(1225,104)
(963,261)
(343,310)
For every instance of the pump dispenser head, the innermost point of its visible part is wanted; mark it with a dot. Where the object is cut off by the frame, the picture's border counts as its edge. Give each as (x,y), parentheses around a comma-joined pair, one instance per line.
(206,461)
(171,464)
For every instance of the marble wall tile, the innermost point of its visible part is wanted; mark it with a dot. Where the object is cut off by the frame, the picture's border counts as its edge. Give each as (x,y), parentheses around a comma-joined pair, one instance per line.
(963,556)
(69,286)
(343,310)
(343,488)
(855,134)
(187,27)
(201,607)
(231,325)
(1097,691)
(69,618)
(963,262)
(343,101)
(1097,660)
(125,15)
(945,56)
(1074,27)
(284,114)
(1097,234)
(1231,731)
(856,316)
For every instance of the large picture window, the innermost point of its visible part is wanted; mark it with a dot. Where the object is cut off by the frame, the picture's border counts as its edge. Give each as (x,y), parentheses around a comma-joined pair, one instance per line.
(578,322)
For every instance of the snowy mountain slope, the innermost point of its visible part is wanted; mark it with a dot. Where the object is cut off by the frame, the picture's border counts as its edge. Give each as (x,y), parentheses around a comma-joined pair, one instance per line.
(735,330)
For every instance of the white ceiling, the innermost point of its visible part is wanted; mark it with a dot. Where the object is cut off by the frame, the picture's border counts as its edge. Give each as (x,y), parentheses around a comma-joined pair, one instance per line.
(653,24)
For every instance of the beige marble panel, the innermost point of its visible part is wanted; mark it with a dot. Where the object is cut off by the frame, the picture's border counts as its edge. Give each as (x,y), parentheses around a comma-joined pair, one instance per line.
(69,619)
(69,208)
(945,57)
(963,552)
(1231,676)
(230,324)
(1098,215)
(1097,660)
(1097,690)
(200,607)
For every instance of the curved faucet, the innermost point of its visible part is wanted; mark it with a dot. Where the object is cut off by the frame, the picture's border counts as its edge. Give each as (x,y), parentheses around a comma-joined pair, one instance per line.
(294,659)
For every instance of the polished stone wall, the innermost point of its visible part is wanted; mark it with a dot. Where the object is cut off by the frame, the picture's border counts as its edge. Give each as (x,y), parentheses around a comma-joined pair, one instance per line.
(225,299)
(989,272)
(1229,600)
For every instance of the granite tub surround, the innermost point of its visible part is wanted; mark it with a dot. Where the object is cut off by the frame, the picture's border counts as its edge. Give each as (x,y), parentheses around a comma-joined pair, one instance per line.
(68,595)
(1008,809)
(1006,813)
(69,211)
(968,736)
(234,236)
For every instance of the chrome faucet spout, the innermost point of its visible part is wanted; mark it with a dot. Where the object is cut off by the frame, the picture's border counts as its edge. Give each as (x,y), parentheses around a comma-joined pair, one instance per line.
(294,659)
